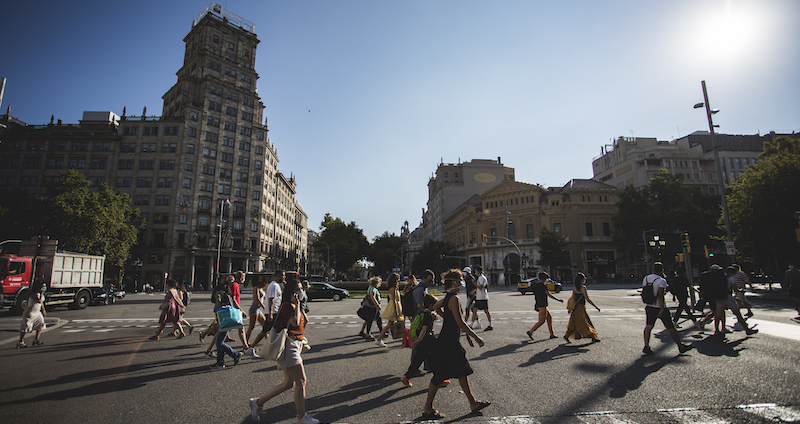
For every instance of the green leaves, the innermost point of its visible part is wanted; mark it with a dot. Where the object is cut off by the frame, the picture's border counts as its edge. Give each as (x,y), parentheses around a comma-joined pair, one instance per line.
(762,204)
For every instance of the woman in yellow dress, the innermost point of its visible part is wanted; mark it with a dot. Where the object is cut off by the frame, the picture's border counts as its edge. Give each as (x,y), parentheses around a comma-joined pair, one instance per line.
(580,325)
(394,309)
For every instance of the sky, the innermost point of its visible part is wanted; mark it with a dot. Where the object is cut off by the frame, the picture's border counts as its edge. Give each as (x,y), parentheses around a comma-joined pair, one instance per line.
(365,98)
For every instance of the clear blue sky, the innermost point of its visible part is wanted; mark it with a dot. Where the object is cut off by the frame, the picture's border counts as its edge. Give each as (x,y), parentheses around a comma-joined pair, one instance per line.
(395,87)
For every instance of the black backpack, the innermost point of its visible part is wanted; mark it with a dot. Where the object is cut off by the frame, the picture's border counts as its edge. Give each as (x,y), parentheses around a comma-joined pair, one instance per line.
(647,292)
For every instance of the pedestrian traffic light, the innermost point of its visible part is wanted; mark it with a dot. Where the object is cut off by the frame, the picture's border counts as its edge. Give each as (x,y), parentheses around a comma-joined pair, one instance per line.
(485,239)
(679,258)
(685,242)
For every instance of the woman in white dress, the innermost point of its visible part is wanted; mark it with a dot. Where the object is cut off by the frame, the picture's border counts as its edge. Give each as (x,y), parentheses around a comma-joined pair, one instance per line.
(33,318)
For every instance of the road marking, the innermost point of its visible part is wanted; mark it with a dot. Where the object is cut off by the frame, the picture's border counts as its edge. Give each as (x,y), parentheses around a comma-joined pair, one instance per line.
(772,412)
(519,419)
(693,416)
(603,417)
(777,329)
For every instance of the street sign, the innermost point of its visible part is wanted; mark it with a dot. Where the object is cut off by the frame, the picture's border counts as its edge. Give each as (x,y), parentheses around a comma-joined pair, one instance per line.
(730,248)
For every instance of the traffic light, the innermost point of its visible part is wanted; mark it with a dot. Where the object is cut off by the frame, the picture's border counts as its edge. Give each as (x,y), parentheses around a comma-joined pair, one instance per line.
(485,239)
(685,242)
(679,258)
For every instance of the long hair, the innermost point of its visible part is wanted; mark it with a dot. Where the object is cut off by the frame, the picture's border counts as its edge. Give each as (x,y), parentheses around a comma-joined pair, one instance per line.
(579,279)
(393,280)
(375,281)
(451,278)
(289,290)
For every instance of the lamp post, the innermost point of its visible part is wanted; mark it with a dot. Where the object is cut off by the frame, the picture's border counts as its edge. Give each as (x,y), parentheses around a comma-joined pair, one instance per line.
(222,204)
(720,185)
(646,261)
(657,243)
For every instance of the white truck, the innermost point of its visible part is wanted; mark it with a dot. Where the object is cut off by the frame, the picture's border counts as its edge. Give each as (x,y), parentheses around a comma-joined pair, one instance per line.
(70,277)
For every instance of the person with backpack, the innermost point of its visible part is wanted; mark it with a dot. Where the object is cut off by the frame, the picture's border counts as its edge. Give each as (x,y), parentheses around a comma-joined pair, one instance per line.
(541,294)
(418,293)
(422,337)
(653,288)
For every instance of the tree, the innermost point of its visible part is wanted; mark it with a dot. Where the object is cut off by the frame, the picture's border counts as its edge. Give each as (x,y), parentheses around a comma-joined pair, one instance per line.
(347,243)
(385,253)
(552,251)
(436,256)
(669,207)
(762,205)
(99,222)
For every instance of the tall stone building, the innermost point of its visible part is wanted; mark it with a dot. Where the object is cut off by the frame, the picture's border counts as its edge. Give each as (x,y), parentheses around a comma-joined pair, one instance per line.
(635,160)
(453,184)
(204,173)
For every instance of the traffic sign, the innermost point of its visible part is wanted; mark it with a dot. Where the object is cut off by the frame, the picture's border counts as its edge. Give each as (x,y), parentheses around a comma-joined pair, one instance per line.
(729,246)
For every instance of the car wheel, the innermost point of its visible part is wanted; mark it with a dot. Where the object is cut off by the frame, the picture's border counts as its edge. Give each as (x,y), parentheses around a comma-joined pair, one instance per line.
(337,297)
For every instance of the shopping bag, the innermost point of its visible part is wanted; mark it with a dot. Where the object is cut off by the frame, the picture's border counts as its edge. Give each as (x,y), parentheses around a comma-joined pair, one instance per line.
(398,329)
(229,318)
(406,339)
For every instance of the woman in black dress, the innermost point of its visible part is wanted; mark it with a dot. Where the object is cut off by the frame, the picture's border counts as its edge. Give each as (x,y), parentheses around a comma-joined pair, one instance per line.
(448,357)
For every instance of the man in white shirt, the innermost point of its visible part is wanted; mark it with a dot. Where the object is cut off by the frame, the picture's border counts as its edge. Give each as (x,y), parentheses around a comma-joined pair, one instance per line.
(658,310)
(481,300)
(274,292)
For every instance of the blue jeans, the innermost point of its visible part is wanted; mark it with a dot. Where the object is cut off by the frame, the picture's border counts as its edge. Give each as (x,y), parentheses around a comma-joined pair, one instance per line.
(223,348)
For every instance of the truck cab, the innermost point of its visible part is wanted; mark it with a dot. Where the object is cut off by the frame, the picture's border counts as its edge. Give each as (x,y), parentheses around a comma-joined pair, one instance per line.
(15,276)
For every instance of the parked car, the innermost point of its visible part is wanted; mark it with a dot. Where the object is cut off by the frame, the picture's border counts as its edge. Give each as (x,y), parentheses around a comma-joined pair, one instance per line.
(106,295)
(526,286)
(325,291)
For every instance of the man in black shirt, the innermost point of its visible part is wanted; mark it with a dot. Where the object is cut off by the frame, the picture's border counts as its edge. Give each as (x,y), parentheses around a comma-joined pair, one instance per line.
(541,294)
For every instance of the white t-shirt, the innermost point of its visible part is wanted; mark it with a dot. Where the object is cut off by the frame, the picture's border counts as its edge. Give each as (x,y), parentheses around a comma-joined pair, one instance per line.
(482,292)
(274,292)
(657,282)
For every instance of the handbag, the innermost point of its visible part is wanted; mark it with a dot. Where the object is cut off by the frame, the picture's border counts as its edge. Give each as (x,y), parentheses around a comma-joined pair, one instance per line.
(306,345)
(571,303)
(366,313)
(276,344)
(229,318)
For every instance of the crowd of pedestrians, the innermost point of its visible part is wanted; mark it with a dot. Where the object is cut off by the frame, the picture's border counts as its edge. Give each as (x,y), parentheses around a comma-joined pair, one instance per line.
(281,308)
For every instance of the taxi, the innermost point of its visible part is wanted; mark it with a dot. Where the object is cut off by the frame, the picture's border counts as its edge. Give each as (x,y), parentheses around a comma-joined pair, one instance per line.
(526,286)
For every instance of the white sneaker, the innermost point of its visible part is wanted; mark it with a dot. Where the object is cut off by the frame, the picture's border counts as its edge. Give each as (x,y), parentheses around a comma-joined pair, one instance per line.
(252,352)
(380,343)
(307,419)
(476,325)
(255,410)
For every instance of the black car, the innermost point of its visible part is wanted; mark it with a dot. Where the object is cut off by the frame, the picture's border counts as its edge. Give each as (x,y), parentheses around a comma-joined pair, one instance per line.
(325,291)
(107,295)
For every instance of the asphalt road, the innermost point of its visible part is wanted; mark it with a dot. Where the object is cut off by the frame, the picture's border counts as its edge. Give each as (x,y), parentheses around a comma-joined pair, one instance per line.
(97,366)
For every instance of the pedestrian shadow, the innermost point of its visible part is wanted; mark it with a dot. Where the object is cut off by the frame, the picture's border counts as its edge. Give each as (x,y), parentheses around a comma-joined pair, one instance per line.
(632,377)
(719,346)
(355,398)
(558,352)
(502,350)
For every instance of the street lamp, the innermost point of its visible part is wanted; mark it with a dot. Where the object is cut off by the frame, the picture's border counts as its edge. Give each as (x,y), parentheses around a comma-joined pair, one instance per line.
(720,186)
(222,204)
(646,261)
(658,244)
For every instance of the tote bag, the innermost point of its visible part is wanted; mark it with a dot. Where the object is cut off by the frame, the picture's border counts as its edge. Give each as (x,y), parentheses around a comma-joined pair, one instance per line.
(276,343)
(229,318)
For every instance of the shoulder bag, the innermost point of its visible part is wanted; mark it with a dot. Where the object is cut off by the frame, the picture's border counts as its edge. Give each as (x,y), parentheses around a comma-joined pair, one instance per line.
(276,344)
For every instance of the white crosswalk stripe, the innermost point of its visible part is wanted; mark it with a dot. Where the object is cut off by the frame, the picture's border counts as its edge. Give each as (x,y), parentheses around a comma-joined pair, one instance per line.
(766,411)
(693,416)
(773,412)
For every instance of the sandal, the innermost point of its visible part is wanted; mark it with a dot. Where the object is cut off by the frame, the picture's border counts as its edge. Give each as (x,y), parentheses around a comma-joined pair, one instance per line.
(21,345)
(190,330)
(154,337)
(435,415)
(480,406)
(202,338)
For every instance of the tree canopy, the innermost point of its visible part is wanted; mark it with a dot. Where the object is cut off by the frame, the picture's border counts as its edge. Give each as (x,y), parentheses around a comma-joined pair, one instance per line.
(668,207)
(552,251)
(762,205)
(96,222)
(385,252)
(347,243)
(436,256)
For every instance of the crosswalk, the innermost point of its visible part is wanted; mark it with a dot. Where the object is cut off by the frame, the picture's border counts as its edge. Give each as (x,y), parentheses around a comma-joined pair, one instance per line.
(754,413)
